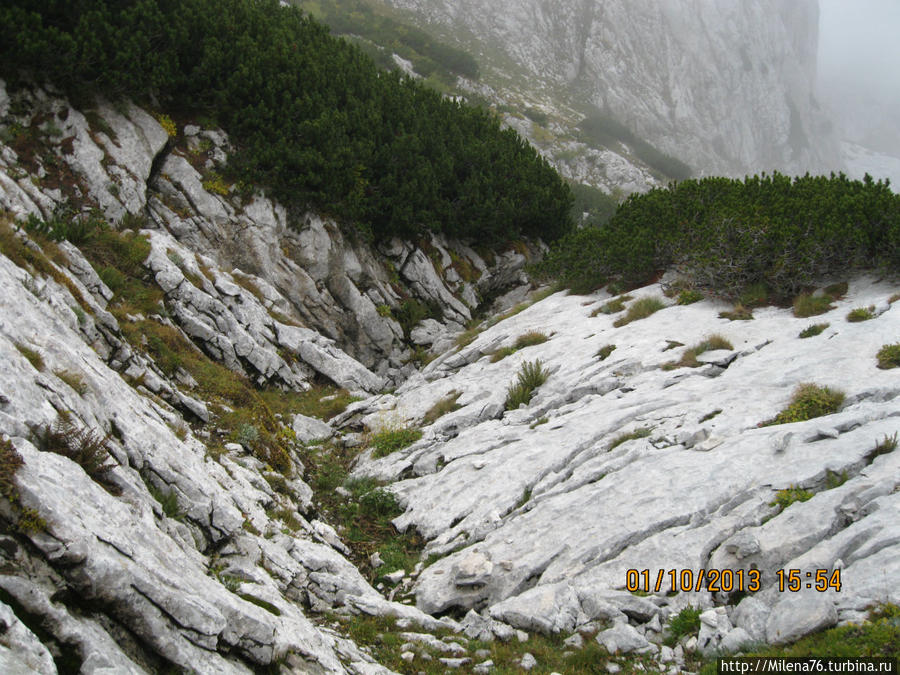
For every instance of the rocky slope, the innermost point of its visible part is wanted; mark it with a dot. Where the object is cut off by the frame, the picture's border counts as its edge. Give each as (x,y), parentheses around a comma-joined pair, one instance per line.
(621,462)
(672,71)
(184,549)
(164,504)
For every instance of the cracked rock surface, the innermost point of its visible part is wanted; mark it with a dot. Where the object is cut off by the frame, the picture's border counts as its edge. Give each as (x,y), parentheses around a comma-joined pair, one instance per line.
(539,512)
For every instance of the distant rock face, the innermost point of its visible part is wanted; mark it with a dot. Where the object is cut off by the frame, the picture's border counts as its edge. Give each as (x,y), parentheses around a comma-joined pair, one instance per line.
(725,86)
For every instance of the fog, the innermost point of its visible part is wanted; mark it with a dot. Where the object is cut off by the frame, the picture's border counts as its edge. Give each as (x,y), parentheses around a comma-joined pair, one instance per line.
(859,70)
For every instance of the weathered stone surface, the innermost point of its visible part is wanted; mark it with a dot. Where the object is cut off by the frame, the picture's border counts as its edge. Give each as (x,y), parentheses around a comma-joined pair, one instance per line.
(799,615)
(310,429)
(622,639)
(560,517)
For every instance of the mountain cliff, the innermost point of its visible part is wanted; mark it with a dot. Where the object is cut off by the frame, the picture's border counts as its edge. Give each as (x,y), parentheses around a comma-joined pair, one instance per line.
(725,86)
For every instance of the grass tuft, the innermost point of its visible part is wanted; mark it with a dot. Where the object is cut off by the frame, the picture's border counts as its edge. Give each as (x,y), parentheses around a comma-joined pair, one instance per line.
(810,305)
(815,329)
(614,306)
(640,309)
(641,432)
(388,441)
(530,339)
(861,314)
(686,622)
(446,405)
(34,357)
(688,297)
(889,356)
(604,352)
(689,358)
(738,313)
(808,401)
(531,376)
(73,379)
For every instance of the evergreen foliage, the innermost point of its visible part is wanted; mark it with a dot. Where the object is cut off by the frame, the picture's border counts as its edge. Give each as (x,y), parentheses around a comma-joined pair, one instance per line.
(726,234)
(311,116)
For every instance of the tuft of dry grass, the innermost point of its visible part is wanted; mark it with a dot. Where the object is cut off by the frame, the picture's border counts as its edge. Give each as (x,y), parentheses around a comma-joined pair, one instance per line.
(640,309)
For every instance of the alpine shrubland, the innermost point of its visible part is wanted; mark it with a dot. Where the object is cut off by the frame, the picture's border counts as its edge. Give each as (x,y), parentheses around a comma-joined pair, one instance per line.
(730,235)
(311,117)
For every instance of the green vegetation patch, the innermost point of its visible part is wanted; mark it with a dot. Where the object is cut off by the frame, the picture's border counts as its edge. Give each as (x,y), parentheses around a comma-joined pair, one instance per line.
(445,405)
(73,379)
(640,309)
(807,402)
(688,297)
(784,498)
(388,441)
(810,305)
(31,355)
(530,376)
(604,352)
(739,313)
(813,330)
(84,446)
(641,432)
(861,314)
(11,461)
(689,358)
(613,306)
(732,236)
(889,356)
(311,116)
(686,622)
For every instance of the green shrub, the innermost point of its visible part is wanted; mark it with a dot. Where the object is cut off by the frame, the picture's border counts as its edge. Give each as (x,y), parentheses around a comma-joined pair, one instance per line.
(531,376)
(737,236)
(33,356)
(334,144)
(815,329)
(686,622)
(861,314)
(810,305)
(379,503)
(889,356)
(391,440)
(807,402)
(640,309)
(784,498)
(688,297)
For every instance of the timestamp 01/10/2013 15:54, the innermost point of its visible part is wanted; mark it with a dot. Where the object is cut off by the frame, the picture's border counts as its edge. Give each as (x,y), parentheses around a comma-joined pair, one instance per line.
(729,581)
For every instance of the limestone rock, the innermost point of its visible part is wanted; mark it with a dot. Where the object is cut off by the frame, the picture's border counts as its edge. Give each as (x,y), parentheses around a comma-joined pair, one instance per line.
(622,639)
(799,615)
